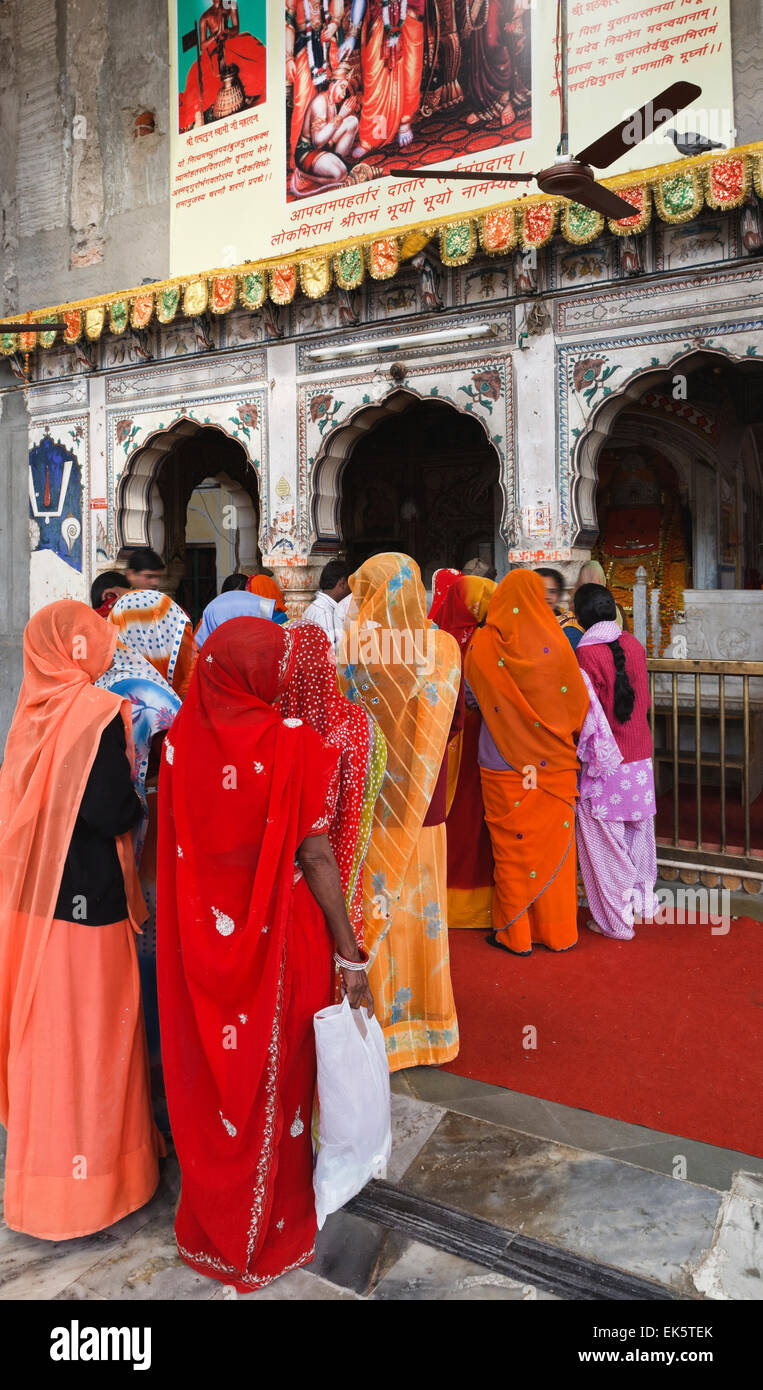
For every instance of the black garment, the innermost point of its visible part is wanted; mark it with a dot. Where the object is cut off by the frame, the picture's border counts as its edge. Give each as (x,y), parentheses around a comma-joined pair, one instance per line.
(92,886)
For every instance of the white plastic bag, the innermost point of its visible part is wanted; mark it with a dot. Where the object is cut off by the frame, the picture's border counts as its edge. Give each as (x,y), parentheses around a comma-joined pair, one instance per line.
(353,1096)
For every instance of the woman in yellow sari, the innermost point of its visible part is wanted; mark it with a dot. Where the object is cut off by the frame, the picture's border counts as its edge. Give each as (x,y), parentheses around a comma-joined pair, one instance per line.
(406,674)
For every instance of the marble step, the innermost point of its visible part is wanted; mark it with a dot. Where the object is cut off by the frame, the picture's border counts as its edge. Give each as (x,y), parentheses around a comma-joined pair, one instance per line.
(503,1252)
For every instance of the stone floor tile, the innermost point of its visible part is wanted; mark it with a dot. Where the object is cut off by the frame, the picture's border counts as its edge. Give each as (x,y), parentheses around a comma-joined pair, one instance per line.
(705,1164)
(412,1123)
(598,1207)
(648,1148)
(425,1274)
(299,1286)
(355,1253)
(733,1267)
(145,1265)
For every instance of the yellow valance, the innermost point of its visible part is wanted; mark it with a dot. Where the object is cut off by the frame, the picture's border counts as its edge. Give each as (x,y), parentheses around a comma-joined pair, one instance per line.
(675,192)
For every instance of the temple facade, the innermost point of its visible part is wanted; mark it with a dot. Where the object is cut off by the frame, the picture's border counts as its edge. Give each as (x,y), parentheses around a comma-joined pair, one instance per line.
(531,407)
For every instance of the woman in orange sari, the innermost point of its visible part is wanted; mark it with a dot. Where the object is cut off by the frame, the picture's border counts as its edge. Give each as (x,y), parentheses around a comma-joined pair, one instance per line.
(74,1084)
(523,673)
(460,610)
(405,674)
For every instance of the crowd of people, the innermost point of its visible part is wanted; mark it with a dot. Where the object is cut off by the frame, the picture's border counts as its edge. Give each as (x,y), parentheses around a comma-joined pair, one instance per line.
(206,837)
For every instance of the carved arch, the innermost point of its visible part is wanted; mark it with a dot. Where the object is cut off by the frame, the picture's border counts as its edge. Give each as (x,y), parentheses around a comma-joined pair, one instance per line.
(325,488)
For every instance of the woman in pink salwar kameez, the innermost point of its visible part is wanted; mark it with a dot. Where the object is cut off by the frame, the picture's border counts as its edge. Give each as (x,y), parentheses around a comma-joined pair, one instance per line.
(616,807)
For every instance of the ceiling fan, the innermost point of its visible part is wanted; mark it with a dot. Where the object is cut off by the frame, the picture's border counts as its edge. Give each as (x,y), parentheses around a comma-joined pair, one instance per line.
(574,178)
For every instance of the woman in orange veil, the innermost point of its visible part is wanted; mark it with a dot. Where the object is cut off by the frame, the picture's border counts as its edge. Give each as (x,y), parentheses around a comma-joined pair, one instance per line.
(74,1085)
(406,675)
(523,673)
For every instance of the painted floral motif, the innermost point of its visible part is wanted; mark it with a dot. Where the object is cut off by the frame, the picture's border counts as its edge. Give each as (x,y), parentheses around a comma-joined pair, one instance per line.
(588,377)
(323,410)
(124,431)
(485,388)
(247,418)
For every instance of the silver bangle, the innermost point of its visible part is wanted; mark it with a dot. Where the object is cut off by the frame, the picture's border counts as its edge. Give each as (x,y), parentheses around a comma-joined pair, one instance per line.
(349,964)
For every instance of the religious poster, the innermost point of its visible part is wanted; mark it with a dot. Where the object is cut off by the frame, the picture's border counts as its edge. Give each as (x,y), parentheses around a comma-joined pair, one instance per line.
(291,118)
(222,60)
(380,83)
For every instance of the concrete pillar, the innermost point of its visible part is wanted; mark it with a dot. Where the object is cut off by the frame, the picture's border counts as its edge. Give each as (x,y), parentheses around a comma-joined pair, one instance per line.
(14,546)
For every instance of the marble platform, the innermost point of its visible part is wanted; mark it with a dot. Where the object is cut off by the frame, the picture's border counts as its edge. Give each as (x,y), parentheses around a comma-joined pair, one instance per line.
(584,1190)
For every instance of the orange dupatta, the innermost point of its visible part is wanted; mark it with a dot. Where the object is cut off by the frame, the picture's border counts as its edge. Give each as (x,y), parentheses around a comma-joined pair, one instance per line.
(532,697)
(59,718)
(526,678)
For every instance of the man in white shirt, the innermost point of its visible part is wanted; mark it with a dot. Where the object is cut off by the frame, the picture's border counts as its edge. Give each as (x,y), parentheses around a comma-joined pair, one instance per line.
(328,609)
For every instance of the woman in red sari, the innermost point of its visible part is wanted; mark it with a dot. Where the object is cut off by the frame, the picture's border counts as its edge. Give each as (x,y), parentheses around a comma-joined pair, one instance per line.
(249,900)
(461,609)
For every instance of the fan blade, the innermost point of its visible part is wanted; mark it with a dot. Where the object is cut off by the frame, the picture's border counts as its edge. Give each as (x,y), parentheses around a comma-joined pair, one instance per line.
(601,199)
(484,175)
(636,127)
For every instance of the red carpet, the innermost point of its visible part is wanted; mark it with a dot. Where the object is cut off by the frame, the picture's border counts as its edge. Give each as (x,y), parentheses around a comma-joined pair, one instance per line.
(663,1031)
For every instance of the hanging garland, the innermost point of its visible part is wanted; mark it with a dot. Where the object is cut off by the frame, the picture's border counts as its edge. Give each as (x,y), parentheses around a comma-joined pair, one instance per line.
(679,190)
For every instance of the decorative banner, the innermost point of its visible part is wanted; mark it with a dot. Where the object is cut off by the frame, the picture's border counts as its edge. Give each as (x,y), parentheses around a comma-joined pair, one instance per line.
(118,311)
(538,223)
(458,243)
(727,182)
(142,310)
(223,293)
(498,231)
(383,258)
(195,297)
(252,289)
(639,197)
(287,121)
(315,277)
(7,343)
(73,321)
(283,283)
(678,199)
(94,320)
(349,268)
(27,342)
(167,303)
(580,224)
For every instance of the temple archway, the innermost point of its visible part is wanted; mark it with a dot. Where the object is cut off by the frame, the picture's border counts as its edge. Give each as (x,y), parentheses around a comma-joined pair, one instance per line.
(192,494)
(410,473)
(671,471)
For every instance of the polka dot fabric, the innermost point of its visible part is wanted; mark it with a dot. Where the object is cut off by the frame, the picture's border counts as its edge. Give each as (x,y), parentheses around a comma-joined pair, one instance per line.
(154,625)
(312,695)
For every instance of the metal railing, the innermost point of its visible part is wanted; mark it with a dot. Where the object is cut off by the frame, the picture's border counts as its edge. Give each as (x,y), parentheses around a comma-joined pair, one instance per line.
(707,721)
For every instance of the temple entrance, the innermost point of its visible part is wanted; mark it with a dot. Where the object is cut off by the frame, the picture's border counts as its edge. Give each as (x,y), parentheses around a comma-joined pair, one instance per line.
(423,481)
(191,493)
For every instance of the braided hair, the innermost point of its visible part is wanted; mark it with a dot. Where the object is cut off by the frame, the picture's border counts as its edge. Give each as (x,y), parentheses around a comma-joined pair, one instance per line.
(595,604)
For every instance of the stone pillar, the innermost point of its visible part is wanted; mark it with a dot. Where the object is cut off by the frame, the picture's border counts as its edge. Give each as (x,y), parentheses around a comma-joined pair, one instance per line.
(640,621)
(14,546)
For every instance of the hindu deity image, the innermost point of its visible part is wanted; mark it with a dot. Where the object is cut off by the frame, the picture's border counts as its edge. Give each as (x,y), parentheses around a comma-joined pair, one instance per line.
(228,71)
(371,83)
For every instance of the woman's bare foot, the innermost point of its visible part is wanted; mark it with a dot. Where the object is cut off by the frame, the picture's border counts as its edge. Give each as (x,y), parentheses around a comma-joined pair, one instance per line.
(404,135)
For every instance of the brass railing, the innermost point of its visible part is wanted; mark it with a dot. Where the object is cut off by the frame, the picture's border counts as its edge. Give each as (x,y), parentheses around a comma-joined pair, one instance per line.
(706,719)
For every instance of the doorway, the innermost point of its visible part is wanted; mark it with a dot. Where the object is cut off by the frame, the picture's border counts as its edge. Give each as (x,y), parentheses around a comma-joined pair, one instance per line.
(191,493)
(424,482)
